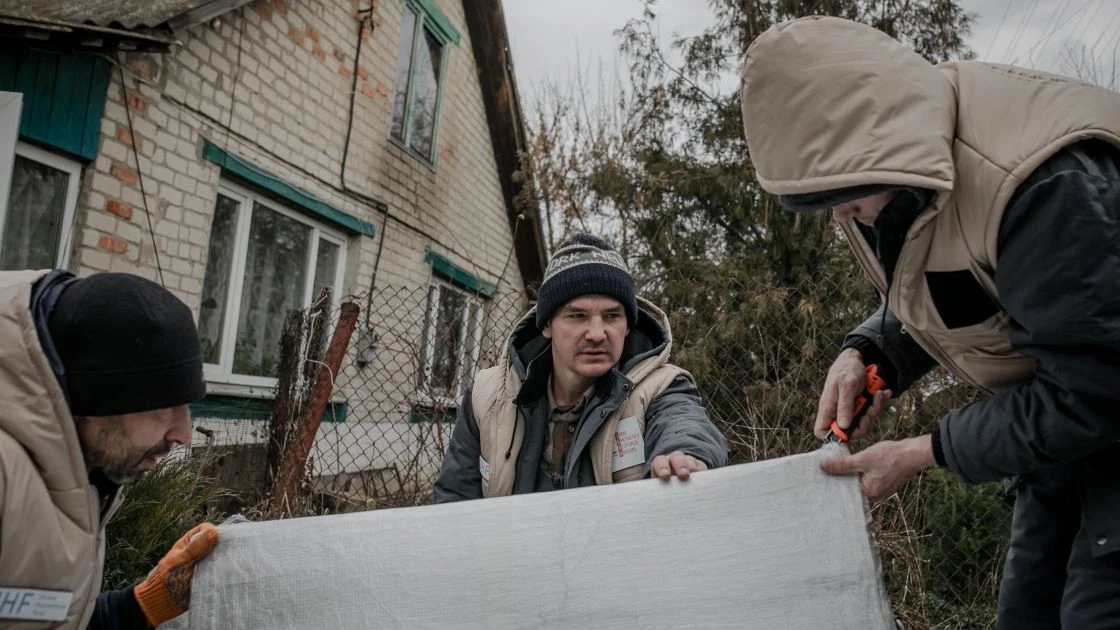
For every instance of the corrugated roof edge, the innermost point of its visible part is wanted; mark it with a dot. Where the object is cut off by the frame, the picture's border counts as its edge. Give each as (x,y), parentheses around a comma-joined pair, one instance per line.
(60,26)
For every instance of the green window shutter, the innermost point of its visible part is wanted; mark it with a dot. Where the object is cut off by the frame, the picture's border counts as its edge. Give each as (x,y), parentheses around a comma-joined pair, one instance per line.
(252,174)
(458,276)
(63,98)
(436,21)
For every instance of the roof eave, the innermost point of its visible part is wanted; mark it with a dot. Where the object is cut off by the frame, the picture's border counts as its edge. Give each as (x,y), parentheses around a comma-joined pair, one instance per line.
(490,43)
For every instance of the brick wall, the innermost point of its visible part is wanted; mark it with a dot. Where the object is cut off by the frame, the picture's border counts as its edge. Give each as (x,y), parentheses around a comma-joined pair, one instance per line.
(270,83)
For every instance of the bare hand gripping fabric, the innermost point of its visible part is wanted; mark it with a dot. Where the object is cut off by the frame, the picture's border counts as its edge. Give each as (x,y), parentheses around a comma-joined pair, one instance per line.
(739,548)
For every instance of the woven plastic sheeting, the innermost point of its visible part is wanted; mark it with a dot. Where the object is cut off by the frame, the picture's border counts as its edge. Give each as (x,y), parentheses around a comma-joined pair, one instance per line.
(773,544)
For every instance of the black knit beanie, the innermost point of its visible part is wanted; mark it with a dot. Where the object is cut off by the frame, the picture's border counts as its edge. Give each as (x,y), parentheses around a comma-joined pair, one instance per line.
(827,199)
(127,345)
(585,265)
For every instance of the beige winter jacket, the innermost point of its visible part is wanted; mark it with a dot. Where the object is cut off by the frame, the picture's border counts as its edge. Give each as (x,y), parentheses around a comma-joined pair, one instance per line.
(51,527)
(832,104)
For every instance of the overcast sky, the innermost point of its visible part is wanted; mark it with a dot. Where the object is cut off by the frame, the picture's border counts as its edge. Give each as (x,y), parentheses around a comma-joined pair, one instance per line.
(549,36)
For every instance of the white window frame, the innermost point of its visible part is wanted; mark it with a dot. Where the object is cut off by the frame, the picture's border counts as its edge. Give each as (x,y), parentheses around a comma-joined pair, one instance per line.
(427,394)
(405,142)
(222,372)
(74,170)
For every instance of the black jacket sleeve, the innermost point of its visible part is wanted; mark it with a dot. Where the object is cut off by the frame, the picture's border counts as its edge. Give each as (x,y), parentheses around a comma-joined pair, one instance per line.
(118,610)
(1058,277)
(459,476)
(677,421)
(882,340)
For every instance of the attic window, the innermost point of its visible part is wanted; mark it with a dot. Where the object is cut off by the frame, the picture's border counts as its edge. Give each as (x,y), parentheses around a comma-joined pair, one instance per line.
(425,32)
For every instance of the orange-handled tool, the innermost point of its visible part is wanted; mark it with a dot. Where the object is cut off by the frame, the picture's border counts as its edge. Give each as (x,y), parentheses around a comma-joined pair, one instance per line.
(872,384)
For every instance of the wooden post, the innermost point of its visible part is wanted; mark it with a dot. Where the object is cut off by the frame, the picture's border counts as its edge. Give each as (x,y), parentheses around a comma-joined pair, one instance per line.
(292,466)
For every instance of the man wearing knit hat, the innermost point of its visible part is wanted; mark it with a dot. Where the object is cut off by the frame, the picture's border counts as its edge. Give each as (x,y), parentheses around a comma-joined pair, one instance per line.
(95,378)
(585,394)
(983,201)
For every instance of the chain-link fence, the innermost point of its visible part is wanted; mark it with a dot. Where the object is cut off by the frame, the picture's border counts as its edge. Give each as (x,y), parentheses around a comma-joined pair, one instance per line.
(759,352)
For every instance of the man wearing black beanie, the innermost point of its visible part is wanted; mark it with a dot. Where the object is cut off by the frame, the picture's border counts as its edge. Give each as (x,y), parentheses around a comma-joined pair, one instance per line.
(95,377)
(585,394)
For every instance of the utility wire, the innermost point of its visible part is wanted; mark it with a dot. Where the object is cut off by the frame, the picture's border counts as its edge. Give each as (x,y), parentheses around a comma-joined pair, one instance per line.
(139,172)
(1048,33)
(999,27)
(1006,56)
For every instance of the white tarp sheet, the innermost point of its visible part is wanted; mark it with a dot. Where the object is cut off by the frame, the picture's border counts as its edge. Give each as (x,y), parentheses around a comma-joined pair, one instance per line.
(773,544)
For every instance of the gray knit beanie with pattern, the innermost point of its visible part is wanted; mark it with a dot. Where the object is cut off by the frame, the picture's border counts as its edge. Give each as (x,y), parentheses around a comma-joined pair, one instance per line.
(585,265)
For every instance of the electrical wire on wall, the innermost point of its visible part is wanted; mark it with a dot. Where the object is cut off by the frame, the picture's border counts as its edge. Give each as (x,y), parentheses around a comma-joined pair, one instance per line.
(344,187)
(512,248)
(139,171)
(204,119)
(365,20)
(238,69)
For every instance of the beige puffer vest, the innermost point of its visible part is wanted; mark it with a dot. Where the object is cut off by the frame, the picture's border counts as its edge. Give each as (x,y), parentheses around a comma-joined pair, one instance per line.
(51,531)
(962,230)
(501,429)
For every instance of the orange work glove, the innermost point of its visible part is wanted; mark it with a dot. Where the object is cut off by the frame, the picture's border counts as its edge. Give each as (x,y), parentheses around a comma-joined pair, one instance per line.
(166,593)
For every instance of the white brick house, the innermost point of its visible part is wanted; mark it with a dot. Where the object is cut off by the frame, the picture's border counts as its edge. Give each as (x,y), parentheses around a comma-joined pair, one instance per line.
(248,154)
